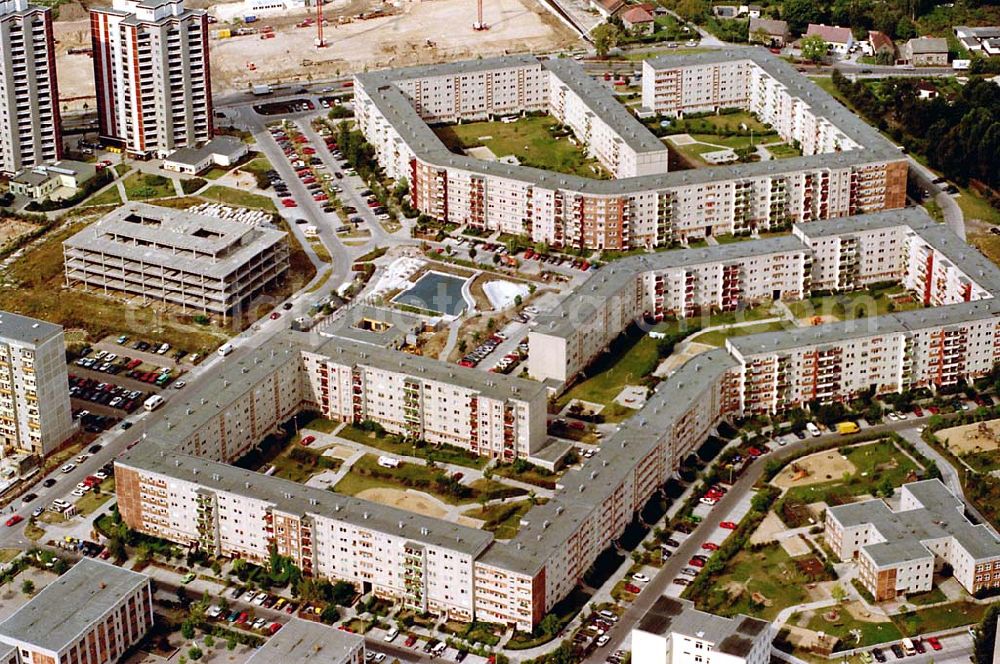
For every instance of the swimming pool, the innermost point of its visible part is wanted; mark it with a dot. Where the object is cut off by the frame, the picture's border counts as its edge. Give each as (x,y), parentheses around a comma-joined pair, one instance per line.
(441,293)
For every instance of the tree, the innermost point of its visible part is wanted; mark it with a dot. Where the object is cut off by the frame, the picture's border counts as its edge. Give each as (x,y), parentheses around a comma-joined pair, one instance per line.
(549,624)
(984,640)
(606,37)
(231,642)
(195,653)
(28,587)
(800,13)
(472,253)
(885,488)
(187,630)
(116,547)
(814,48)
(838,593)
(691,10)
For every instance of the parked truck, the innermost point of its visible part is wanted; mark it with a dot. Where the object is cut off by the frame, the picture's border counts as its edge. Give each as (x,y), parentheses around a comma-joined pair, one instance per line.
(261,90)
(847,428)
(250,19)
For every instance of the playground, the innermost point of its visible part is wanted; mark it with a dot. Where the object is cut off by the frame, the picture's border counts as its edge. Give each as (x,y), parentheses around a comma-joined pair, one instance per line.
(975,437)
(814,469)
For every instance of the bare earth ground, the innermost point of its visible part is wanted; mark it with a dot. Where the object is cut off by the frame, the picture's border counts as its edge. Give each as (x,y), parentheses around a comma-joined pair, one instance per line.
(977,437)
(768,529)
(413,501)
(860,612)
(794,546)
(339,452)
(820,467)
(13,228)
(423,32)
(818,319)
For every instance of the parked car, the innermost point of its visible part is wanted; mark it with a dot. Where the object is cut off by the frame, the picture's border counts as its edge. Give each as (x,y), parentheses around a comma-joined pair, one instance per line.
(728,525)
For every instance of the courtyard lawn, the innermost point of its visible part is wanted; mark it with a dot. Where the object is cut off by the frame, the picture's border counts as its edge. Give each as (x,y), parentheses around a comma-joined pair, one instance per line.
(875,463)
(938,618)
(395,445)
(783,150)
(845,624)
(109,196)
(718,337)
(143,186)
(932,596)
(856,304)
(770,574)
(532,140)
(707,124)
(219,194)
(631,357)
(736,142)
(502,520)
(298,464)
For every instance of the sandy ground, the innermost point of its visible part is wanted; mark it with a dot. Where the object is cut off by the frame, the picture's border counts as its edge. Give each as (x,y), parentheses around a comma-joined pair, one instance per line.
(794,546)
(819,319)
(413,501)
(977,437)
(768,529)
(858,610)
(820,467)
(12,228)
(338,452)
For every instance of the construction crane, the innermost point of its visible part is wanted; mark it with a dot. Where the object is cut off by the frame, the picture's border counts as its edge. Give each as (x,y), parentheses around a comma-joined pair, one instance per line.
(480,24)
(320,43)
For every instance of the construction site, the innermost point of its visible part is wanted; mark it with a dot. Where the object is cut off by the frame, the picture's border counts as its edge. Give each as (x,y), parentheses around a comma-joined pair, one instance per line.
(282,46)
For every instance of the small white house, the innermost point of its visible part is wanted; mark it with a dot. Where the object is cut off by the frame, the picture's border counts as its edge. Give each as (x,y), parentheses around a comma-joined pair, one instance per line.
(222,151)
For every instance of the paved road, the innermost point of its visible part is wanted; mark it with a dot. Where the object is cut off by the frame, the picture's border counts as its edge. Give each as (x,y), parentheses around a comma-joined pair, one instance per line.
(952,212)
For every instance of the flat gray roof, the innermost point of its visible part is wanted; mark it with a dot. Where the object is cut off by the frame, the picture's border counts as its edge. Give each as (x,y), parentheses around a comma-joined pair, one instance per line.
(306,642)
(905,531)
(399,111)
(193,242)
(68,606)
(225,145)
(347,325)
(733,636)
(26,329)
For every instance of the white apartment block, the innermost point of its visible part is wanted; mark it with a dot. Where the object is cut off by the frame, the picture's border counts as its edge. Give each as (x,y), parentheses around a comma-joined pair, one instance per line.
(420,399)
(847,168)
(674,632)
(151,67)
(35,413)
(93,613)
(898,551)
(30,133)
(197,262)
(670,283)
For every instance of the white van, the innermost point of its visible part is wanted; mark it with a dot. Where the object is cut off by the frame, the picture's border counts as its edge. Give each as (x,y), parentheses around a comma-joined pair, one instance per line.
(225,349)
(153,402)
(813,430)
(391,634)
(388,462)
(908,647)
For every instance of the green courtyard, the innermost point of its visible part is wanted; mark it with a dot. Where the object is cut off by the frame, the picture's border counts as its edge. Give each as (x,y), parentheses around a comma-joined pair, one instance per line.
(538,141)
(856,304)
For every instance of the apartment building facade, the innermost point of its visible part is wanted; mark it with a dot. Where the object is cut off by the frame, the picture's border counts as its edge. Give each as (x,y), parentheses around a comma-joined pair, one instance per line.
(35,413)
(898,551)
(424,400)
(93,613)
(30,132)
(674,632)
(151,67)
(847,168)
(194,261)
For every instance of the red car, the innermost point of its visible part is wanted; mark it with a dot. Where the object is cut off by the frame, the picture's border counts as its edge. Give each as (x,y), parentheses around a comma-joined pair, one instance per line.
(754,452)
(696,562)
(728,525)
(933,642)
(308,440)
(918,411)
(242,618)
(14,520)
(287,202)
(275,626)
(710,546)
(308,150)
(934,410)
(632,588)
(275,315)
(410,640)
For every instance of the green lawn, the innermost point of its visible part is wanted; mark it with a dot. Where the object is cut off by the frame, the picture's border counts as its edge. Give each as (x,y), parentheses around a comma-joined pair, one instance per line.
(395,445)
(298,464)
(214,173)
(91,501)
(718,337)
(874,463)
(770,572)
(259,164)
(938,618)
(502,520)
(143,186)
(725,121)
(632,357)
(367,474)
(932,596)
(109,196)
(531,140)
(783,150)
(856,304)
(736,142)
(975,206)
(871,632)
(219,194)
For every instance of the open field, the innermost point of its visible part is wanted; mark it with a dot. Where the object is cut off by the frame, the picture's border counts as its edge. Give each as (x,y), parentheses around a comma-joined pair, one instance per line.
(220,194)
(531,140)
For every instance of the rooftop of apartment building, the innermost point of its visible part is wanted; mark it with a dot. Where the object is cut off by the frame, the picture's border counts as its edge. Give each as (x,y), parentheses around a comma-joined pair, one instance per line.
(376,326)
(398,110)
(14,327)
(306,642)
(65,608)
(731,636)
(17,7)
(612,278)
(903,531)
(188,241)
(545,527)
